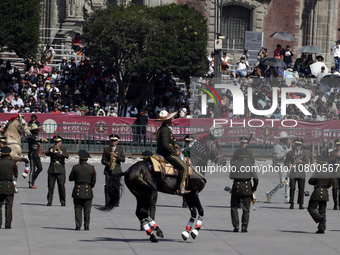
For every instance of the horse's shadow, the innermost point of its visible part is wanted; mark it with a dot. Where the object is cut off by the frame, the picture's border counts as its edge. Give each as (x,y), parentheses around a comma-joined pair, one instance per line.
(128,240)
(125,229)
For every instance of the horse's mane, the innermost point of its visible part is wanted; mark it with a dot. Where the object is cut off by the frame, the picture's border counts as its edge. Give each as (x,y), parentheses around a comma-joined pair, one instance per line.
(9,121)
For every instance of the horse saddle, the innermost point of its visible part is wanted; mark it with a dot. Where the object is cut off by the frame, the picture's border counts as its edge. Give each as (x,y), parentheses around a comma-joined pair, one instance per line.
(165,168)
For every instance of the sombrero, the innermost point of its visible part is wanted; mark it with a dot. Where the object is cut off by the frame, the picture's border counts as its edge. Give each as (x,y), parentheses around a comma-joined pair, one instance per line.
(283,135)
(34,127)
(164,115)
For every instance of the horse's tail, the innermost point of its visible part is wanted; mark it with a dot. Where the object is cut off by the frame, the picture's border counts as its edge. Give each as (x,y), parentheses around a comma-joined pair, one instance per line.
(114,191)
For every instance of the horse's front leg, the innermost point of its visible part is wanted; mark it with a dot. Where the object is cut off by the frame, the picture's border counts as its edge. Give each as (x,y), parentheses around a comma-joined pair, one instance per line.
(194,207)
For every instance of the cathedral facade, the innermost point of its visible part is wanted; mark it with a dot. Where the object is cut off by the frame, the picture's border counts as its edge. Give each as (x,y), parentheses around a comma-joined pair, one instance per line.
(311,22)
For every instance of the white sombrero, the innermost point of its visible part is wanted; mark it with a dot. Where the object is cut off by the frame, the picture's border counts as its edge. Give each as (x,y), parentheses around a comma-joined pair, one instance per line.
(283,135)
(34,127)
(164,115)
(217,130)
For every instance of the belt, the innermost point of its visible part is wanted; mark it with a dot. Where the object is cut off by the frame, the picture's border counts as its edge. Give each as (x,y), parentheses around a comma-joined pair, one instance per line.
(6,180)
(321,186)
(82,183)
(241,180)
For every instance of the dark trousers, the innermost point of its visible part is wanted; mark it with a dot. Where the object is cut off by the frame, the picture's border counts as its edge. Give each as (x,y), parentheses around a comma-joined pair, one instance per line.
(142,132)
(35,166)
(234,204)
(335,192)
(60,178)
(180,166)
(301,186)
(81,205)
(319,214)
(8,209)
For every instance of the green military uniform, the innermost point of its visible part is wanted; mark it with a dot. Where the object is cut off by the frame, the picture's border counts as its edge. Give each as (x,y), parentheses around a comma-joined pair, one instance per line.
(8,169)
(242,189)
(335,159)
(322,181)
(297,173)
(56,172)
(84,177)
(166,146)
(106,160)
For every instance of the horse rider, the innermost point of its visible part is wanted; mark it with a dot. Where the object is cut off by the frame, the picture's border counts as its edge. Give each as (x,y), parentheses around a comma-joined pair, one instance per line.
(322,181)
(243,188)
(56,170)
(33,154)
(296,160)
(280,151)
(166,147)
(84,177)
(335,159)
(8,170)
(112,158)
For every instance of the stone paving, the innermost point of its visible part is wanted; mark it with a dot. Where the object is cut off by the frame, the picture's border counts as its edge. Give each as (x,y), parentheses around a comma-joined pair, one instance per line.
(273,229)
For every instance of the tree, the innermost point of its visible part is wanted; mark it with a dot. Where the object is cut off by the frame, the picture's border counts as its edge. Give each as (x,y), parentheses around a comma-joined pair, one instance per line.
(147,41)
(19,26)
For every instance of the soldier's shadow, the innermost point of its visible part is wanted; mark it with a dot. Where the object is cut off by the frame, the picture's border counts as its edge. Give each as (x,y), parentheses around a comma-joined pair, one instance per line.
(33,204)
(59,228)
(296,232)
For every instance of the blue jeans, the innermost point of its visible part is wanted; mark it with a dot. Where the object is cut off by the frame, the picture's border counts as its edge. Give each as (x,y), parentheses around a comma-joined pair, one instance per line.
(337,63)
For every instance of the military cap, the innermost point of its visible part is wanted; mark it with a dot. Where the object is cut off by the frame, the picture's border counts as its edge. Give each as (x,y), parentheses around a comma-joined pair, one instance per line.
(337,142)
(5,151)
(321,159)
(242,153)
(83,154)
(114,137)
(3,139)
(244,139)
(147,154)
(188,138)
(298,141)
(57,138)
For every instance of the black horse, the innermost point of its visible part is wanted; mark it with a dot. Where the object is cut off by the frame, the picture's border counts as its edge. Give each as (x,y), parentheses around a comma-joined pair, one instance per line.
(144,183)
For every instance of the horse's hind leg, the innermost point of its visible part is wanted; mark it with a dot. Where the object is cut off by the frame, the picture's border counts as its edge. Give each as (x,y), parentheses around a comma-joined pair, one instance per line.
(148,224)
(195,206)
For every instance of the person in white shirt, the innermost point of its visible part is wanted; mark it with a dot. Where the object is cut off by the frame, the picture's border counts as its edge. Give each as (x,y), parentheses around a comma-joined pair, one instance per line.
(129,110)
(334,71)
(280,151)
(335,51)
(17,101)
(242,68)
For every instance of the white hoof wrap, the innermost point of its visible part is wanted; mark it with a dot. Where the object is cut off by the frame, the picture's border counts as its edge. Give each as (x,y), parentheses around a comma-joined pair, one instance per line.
(185,235)
(194,233)
(24,174)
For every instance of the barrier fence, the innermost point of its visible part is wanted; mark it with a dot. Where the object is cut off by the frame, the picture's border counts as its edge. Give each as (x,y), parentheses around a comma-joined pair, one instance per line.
(136,139)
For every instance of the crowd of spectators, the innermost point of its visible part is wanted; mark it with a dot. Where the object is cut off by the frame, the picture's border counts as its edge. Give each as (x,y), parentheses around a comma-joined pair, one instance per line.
(79,87)
(83,88)
(325,93)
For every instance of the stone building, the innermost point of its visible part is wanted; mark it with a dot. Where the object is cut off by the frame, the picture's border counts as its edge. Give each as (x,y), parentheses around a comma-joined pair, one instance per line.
(311,22)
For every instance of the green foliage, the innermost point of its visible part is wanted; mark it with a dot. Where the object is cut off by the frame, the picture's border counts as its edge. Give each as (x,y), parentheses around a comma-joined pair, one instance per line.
(19,25)
(148,41)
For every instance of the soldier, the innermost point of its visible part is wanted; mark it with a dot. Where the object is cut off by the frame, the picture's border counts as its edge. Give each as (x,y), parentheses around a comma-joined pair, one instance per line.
(296,160)
(335,159)
(166,147)
(33,154)
(322,180)
(280,151)
(56,170)
(242,190)
(8,170)
(84,177)
(112,158)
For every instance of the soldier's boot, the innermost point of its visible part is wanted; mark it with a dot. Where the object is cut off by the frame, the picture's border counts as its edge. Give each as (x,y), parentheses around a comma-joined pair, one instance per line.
(301,207)
(244,229)
(235,229)
(291,206)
